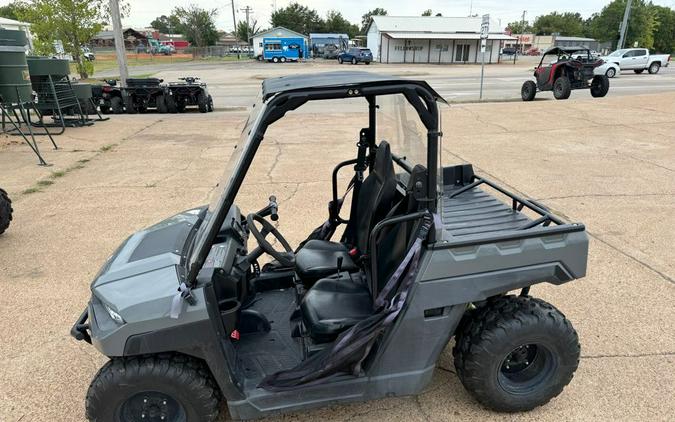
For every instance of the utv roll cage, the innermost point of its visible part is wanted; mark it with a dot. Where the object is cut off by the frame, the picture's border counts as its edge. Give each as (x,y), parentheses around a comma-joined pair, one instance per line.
(288,93)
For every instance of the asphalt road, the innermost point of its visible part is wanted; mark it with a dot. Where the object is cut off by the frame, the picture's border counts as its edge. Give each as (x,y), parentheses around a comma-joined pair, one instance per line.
(236,84)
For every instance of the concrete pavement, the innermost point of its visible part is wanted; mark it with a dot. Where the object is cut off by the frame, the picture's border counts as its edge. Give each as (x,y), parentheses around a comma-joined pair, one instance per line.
(606,162)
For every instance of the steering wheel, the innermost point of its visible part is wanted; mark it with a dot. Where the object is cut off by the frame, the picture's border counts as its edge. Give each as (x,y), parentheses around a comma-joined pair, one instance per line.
(286,258)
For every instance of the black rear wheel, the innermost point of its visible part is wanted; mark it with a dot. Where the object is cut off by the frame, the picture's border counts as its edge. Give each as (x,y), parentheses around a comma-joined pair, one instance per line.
(515,353)
(654,68)
(562,88)
(166,388)
(599,86)
(528,91)
(5,211)
(638,71)
(202,102)
(210,104)
(116,105)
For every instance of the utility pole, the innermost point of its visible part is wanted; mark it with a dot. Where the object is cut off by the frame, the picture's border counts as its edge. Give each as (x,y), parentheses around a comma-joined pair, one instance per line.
(624,26)
(522,30)
(234,20)
(247,10)
(119,41)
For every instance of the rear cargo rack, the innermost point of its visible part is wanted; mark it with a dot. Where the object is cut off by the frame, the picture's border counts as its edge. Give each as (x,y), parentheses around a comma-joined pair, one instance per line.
(472,216)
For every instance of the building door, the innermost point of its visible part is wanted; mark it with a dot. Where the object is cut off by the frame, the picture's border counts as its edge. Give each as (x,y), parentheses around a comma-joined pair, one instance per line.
(462,52)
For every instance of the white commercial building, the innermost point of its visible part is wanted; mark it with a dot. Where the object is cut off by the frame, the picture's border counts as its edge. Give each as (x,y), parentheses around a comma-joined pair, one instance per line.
(432,39)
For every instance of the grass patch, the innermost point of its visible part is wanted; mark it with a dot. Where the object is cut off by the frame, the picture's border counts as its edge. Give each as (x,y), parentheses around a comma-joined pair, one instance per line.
(44,182)
(106,148)
(57,174)
(84,161)
(30,190)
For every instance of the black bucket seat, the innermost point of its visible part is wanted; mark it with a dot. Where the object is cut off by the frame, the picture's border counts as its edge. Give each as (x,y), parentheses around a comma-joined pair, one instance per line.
(338,302)
(318,258)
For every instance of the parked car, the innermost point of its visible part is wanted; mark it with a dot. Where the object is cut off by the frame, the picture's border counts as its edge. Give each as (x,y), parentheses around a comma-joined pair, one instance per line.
(88,54)
(563,69)
(331,52)
(608,69)
(356,55)
(509,51)
(638,60)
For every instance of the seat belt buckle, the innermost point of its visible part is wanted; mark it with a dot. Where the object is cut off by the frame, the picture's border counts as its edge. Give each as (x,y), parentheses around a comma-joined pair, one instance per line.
(353,252)
(234,335)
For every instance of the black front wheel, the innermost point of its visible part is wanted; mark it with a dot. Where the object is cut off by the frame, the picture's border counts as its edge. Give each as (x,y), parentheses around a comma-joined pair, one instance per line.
(5,211)
(167,388)
(515,353)
(528,91)
(562,88)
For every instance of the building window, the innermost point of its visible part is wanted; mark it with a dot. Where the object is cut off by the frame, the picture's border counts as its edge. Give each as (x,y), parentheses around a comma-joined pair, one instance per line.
(462,53)
(273,47)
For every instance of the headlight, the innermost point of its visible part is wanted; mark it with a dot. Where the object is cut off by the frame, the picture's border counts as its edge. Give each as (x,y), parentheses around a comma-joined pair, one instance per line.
(114,315)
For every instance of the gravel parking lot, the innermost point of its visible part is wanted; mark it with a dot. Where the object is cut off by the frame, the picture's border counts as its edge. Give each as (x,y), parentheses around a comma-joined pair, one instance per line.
(608,163)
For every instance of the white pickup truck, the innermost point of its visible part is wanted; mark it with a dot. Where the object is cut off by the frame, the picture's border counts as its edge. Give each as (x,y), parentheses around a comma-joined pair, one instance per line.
(638,60)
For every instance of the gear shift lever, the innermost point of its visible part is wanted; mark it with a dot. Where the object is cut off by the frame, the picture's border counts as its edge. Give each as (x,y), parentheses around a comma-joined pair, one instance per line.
(339,265)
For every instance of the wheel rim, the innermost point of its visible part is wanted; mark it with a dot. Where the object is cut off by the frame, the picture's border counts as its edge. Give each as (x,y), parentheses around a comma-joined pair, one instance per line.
(152,406)
(526,368)
(610,73)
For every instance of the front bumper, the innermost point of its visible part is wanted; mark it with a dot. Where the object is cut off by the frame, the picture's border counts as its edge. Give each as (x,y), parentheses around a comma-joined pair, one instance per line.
(80,330)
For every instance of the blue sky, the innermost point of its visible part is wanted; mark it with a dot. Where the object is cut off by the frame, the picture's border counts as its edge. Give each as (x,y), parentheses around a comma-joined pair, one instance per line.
(144,11)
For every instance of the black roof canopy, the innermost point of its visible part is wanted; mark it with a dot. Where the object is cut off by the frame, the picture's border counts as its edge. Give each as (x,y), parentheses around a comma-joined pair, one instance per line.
(349,79)
(566,50)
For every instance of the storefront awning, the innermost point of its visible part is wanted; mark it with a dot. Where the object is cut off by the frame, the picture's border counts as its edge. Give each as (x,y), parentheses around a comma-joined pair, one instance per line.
(444,36)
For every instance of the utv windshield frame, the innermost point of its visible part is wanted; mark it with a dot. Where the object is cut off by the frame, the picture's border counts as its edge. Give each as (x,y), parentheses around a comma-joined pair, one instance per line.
(284,94)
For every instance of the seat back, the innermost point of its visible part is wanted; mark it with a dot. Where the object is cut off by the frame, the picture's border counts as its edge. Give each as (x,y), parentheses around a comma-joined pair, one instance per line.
(396,239)
(375,198)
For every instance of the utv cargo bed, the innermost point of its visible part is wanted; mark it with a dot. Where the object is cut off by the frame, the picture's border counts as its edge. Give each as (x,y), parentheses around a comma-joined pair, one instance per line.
(493,242)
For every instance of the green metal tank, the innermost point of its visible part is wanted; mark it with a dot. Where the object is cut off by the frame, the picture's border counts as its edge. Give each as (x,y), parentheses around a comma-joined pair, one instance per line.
(15,84)
(82,91)
(45,66)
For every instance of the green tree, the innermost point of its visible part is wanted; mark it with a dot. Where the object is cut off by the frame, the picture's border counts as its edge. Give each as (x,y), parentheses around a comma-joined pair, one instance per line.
(244,31)
(298,18)
(368,17)
(335,22)
(166,24)
(427,12)
(13,10)
(197,24)
(567,24)
(664,35)
(74,22)
(641,26)
(519,27)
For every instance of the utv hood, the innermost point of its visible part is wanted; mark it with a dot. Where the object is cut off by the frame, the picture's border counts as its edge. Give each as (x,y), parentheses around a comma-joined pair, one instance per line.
(146,265)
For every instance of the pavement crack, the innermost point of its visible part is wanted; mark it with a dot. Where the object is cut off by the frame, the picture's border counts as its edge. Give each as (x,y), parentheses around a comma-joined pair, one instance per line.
(276,158)
(606,195)
(634,258)
(627,355)
(421,408)
(478,118)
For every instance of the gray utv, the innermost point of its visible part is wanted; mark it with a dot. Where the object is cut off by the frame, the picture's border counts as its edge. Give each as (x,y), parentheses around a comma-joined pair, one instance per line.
(189,317)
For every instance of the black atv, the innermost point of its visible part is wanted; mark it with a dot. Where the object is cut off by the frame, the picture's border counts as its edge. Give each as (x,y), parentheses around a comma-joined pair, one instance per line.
(108,97)
(5,211)
(190,92)
(563,69)
(146,93)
